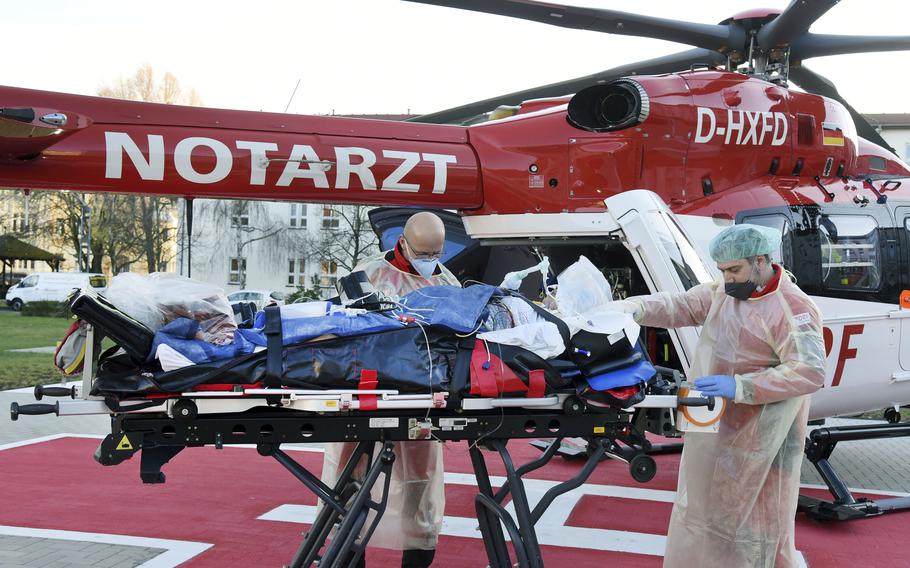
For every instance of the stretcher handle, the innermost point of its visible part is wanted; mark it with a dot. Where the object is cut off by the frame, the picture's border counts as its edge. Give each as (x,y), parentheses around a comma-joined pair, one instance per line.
(42,391)
(697,401)
(15,409)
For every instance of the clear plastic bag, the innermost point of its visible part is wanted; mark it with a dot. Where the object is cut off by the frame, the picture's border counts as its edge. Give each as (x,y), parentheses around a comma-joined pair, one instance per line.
(162,297)
(582,289)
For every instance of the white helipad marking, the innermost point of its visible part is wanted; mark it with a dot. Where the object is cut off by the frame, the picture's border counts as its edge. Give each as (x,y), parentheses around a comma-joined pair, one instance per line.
(48,349)
(47,438)
(551,528)
(30,390)
(176,551)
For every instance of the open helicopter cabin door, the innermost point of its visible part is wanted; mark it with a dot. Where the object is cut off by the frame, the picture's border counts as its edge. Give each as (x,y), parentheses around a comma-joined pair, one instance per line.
(666,257)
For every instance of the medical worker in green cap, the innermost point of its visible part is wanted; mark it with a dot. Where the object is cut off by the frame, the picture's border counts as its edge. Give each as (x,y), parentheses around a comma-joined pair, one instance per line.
(760,347)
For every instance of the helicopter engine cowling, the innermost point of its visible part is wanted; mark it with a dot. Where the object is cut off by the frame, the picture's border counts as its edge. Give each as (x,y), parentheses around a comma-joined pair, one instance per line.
(615,106)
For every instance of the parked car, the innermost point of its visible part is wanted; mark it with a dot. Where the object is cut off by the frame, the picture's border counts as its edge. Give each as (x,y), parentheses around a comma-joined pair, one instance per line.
(261,298)
(52,286)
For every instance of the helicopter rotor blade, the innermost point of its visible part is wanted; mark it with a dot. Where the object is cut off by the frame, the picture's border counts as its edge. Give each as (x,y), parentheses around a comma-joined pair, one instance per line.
(814,83)
(794,21)
(707,36)
(666,64)
(821,45)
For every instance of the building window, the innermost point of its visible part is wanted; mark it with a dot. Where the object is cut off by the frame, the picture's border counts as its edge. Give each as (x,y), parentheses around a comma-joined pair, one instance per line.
(850,255)
(329,218)
(61,227)
(240,214)
(298,216)
(18,222)
(297,272)
(329,274)
(238,266)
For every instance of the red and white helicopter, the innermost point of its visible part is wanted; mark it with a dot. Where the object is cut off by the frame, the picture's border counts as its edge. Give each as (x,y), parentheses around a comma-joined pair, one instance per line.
(714,133)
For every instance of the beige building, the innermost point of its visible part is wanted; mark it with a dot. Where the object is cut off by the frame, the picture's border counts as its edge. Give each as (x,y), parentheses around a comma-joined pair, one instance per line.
(895,129)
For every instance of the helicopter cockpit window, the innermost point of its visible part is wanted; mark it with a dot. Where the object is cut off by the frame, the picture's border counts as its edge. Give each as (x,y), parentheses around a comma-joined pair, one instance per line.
(783,254)
(688,263)
(850,252)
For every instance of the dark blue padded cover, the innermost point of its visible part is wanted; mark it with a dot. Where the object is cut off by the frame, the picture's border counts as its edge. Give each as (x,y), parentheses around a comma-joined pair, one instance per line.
(633,374)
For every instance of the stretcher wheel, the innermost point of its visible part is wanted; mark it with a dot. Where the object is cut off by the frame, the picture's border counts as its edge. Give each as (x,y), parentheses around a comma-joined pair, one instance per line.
(643,468)
(573,405)
(184,410)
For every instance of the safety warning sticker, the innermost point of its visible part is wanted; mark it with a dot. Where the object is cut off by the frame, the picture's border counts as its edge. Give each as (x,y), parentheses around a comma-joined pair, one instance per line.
(384,422)
(455,423)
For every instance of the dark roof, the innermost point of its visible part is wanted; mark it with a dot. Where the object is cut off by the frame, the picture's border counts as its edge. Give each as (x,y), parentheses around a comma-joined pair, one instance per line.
(13,248)
(889,120)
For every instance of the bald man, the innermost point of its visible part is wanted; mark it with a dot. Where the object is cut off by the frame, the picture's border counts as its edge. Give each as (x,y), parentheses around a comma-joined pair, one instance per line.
(413,515)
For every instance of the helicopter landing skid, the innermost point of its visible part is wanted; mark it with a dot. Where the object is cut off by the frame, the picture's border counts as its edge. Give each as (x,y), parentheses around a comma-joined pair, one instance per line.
(819,446)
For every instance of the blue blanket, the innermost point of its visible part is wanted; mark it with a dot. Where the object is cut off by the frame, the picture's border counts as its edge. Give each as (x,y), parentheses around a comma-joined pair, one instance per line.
(460,310)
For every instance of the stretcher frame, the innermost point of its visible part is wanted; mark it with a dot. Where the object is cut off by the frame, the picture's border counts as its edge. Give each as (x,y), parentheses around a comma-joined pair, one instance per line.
(347,505)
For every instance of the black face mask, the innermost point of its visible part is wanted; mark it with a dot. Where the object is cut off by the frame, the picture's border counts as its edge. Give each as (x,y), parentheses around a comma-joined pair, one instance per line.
(740,290)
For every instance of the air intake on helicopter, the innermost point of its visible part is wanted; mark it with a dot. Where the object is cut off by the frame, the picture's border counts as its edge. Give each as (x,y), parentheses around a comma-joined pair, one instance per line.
(614,106)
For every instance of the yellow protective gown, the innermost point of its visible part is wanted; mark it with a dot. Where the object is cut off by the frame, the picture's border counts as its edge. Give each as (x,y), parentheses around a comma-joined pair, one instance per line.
(738,489)
(413,516)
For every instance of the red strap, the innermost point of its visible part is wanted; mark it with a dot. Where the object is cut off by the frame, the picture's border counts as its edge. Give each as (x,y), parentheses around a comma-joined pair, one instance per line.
(537,384)
(368,381)
(483,382)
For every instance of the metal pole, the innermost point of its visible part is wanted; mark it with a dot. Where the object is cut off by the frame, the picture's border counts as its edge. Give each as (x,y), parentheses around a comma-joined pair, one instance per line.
(81,235)
(189,237)
(88,236)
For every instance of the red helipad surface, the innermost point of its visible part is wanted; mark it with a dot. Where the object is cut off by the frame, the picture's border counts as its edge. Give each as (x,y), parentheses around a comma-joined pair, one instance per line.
(218,497)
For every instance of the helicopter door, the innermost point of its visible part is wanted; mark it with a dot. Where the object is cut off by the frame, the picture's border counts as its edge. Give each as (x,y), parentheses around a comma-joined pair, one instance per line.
(665,255)
(902,216)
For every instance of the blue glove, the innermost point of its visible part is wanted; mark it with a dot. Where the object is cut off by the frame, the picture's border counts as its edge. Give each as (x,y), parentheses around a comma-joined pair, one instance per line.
(717,385)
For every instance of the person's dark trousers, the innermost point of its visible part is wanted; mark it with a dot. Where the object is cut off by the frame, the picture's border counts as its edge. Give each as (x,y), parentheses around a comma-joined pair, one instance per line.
(417,558)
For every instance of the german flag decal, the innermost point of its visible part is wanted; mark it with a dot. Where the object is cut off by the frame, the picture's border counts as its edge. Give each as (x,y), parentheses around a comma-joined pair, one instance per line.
(832,135)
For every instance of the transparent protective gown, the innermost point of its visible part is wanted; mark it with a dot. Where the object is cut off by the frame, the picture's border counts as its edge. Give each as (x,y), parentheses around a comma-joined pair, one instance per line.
(413,515)
(738,489)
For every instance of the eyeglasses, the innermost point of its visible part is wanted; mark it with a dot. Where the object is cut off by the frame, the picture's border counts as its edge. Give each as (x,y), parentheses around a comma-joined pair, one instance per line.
(417,255)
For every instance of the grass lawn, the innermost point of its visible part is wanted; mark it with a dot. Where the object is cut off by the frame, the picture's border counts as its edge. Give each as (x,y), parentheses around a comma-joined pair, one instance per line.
(17,332)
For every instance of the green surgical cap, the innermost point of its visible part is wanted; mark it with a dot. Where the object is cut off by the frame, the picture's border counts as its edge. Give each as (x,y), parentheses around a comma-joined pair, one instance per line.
(743,241)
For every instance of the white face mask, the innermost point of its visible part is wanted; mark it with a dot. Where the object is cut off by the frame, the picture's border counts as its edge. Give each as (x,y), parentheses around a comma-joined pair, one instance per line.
(425,268)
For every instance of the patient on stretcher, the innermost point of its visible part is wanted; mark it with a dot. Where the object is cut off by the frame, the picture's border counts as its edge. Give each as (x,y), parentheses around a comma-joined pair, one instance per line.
(475,341)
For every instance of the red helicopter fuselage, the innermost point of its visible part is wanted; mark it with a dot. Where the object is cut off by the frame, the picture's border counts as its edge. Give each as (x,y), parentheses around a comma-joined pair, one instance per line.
(709,143)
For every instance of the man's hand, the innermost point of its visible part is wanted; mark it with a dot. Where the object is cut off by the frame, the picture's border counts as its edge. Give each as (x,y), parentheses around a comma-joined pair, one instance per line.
(622,306)
(717,385)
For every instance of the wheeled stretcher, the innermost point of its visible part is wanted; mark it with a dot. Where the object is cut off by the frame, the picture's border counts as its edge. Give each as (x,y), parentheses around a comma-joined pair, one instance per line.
(469,390)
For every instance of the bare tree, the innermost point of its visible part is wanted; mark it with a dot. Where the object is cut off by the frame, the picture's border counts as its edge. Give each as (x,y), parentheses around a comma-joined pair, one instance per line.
(152,217)
(346,237)
(245,223)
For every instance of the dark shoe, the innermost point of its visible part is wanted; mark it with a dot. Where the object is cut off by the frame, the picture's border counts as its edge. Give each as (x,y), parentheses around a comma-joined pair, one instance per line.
(417,558)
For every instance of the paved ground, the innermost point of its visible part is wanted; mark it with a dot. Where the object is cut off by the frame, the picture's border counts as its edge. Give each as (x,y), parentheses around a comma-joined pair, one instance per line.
(872,465)
(31,552)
